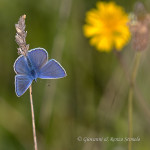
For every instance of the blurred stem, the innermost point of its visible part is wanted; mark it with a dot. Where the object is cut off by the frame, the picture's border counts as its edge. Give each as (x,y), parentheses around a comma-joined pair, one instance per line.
(33,119)
(130,128)
(130,98)
(122,64)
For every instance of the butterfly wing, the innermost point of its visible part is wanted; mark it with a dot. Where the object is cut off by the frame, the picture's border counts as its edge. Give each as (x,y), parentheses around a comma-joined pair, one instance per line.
(38,57)
(21,66)
(22,83)
(52,70)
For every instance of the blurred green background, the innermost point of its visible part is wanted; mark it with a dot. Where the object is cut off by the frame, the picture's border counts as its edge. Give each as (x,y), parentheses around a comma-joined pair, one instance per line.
(90,102)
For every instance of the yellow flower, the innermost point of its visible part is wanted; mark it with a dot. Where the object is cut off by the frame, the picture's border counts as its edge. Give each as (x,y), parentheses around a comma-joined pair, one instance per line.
(107,27)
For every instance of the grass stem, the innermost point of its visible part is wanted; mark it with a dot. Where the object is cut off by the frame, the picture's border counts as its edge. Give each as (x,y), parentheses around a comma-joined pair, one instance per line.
(130,98)
(33,119)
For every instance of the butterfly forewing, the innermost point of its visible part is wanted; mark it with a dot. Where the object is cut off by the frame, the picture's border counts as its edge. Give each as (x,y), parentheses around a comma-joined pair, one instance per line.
(22,83)
(52,70)
(21,66)
(38,57)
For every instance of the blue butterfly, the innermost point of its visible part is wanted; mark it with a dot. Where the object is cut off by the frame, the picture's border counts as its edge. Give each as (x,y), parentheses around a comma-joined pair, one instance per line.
(35,65)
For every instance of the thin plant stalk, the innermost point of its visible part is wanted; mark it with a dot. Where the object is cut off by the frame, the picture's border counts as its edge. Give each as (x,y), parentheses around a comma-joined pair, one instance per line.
(130,98)
(130,125)
(23,50)
(142,102)
(33,119)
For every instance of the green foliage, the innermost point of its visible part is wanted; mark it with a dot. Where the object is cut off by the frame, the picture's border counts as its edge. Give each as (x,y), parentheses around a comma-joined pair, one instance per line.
(90,102)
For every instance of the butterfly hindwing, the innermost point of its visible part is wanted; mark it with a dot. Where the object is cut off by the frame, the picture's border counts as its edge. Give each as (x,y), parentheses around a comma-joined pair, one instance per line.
(38,57)
(52,70)
(21,66)
(22,83)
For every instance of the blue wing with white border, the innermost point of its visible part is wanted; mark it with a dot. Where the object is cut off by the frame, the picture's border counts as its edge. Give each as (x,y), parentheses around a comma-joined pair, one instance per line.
(52,70)
(38,58)
(22,83)
(21,66)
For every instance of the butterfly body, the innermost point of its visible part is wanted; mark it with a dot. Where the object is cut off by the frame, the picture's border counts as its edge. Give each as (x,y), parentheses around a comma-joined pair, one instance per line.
(35,65)
(32,70)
